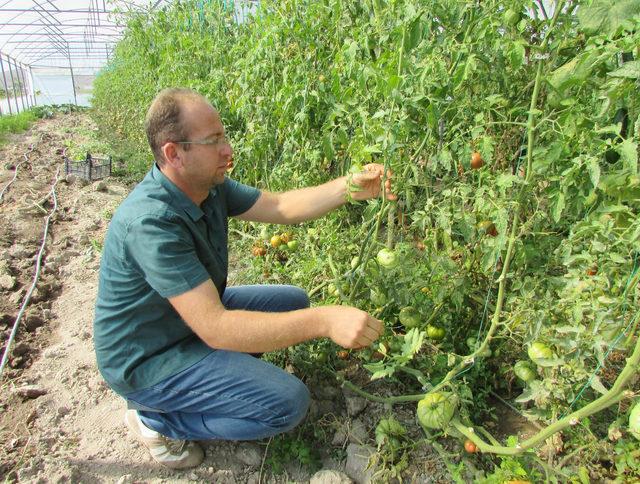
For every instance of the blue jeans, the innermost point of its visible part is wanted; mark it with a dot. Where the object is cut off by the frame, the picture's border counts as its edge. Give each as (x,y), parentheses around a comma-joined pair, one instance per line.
(229,395)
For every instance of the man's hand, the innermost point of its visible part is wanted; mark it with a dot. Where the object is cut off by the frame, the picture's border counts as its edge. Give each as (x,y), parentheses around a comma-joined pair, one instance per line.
(367,183)
(350,327)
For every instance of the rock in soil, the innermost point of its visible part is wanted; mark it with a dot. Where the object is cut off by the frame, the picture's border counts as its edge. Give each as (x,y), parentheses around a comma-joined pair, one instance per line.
(358,433)
(327,476)
(7,282)
(250,455)
(357,463)
(355,405)
(30,391)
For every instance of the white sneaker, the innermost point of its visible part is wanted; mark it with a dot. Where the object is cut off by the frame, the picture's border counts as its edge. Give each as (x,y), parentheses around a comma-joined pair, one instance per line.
(176,454)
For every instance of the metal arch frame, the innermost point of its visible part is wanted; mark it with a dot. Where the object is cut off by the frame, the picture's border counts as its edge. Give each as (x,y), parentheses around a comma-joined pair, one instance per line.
(49,34)
(46,25)
(53,30)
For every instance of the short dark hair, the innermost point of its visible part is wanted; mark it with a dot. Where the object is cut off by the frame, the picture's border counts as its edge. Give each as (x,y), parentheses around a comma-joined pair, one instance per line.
(164,122)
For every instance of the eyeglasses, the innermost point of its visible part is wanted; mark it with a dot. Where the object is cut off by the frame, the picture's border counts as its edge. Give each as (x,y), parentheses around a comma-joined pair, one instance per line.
(215,141)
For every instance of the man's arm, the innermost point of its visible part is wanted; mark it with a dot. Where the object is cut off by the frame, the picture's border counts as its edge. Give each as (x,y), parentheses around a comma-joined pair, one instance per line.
(297,206)
(257,332)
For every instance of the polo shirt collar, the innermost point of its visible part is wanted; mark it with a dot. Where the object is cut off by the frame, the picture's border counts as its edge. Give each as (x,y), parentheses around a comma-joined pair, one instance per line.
(180,198)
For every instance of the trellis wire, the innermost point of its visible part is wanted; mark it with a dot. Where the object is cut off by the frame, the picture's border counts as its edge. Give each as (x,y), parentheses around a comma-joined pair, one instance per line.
(14,330)
(15,172)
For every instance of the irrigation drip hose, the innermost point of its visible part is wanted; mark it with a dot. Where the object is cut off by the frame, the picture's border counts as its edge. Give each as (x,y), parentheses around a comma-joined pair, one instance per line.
(15,172)
(14,330)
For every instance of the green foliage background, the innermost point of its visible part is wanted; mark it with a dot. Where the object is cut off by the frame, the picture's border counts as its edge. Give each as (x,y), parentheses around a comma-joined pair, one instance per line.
(308,89)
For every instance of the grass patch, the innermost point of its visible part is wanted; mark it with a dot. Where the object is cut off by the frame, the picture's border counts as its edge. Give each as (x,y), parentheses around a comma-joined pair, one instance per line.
(15,123)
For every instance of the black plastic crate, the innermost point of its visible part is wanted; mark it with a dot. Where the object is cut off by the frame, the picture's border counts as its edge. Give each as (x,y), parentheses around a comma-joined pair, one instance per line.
(91,168)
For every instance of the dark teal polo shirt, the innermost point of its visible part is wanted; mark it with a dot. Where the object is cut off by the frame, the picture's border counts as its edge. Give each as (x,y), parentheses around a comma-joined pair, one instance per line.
(159,244)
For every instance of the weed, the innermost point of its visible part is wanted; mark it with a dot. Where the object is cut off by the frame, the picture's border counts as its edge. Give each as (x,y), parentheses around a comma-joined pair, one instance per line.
(287,448)
(15,123)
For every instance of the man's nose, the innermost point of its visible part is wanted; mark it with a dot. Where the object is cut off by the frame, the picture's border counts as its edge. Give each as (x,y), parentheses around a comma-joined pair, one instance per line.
(227,150)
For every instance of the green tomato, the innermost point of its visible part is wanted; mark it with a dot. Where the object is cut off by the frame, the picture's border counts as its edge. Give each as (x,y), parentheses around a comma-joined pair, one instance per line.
(396,345)
(354,262)
(377,298)
(435,332)
(523,370)
(322,357)
(511,17)
(409,317)
(332,289)
(591,199)
(634,421)
(264,234)
(292,245)
(539,351)
(437,409)
(387,258)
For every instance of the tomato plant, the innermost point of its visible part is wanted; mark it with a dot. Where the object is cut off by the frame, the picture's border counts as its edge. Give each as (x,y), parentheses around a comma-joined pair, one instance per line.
(534,253)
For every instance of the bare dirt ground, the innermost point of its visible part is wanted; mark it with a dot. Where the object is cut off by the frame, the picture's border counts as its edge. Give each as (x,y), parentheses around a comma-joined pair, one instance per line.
(59,422)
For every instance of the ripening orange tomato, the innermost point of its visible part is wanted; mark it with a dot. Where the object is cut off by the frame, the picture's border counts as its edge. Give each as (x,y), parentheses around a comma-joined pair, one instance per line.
(476,160)
(470,447)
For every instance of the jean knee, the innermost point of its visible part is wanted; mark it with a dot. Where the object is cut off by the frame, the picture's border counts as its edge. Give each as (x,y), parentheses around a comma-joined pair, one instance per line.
(296,405)
(299,298)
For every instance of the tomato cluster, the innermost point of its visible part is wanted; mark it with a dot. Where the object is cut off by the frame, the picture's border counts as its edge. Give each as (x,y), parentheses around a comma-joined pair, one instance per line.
(279,241)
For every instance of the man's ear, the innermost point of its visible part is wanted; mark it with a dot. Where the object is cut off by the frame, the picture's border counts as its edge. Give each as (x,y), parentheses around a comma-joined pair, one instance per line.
(172,154)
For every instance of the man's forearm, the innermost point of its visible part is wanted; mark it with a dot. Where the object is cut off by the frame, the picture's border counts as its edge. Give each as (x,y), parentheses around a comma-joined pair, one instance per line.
(313,202)
(255,331)
(258,332)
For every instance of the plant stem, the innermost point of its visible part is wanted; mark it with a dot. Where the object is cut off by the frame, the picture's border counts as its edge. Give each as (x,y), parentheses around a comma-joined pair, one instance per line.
(391,218)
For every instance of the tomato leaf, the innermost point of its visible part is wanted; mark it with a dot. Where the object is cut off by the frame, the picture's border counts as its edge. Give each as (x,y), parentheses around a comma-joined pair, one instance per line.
(597,385)
(629,153)
(606,16)
(629,70)
(516,55)
(558,207)
(593,167)
(526,396)
(574,72)
(611,129)
(327,146)
(414,35)
(382,372)
(412,342)
(506,180)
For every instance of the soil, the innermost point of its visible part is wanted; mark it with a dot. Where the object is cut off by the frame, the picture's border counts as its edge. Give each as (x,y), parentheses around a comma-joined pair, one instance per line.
(59,422)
